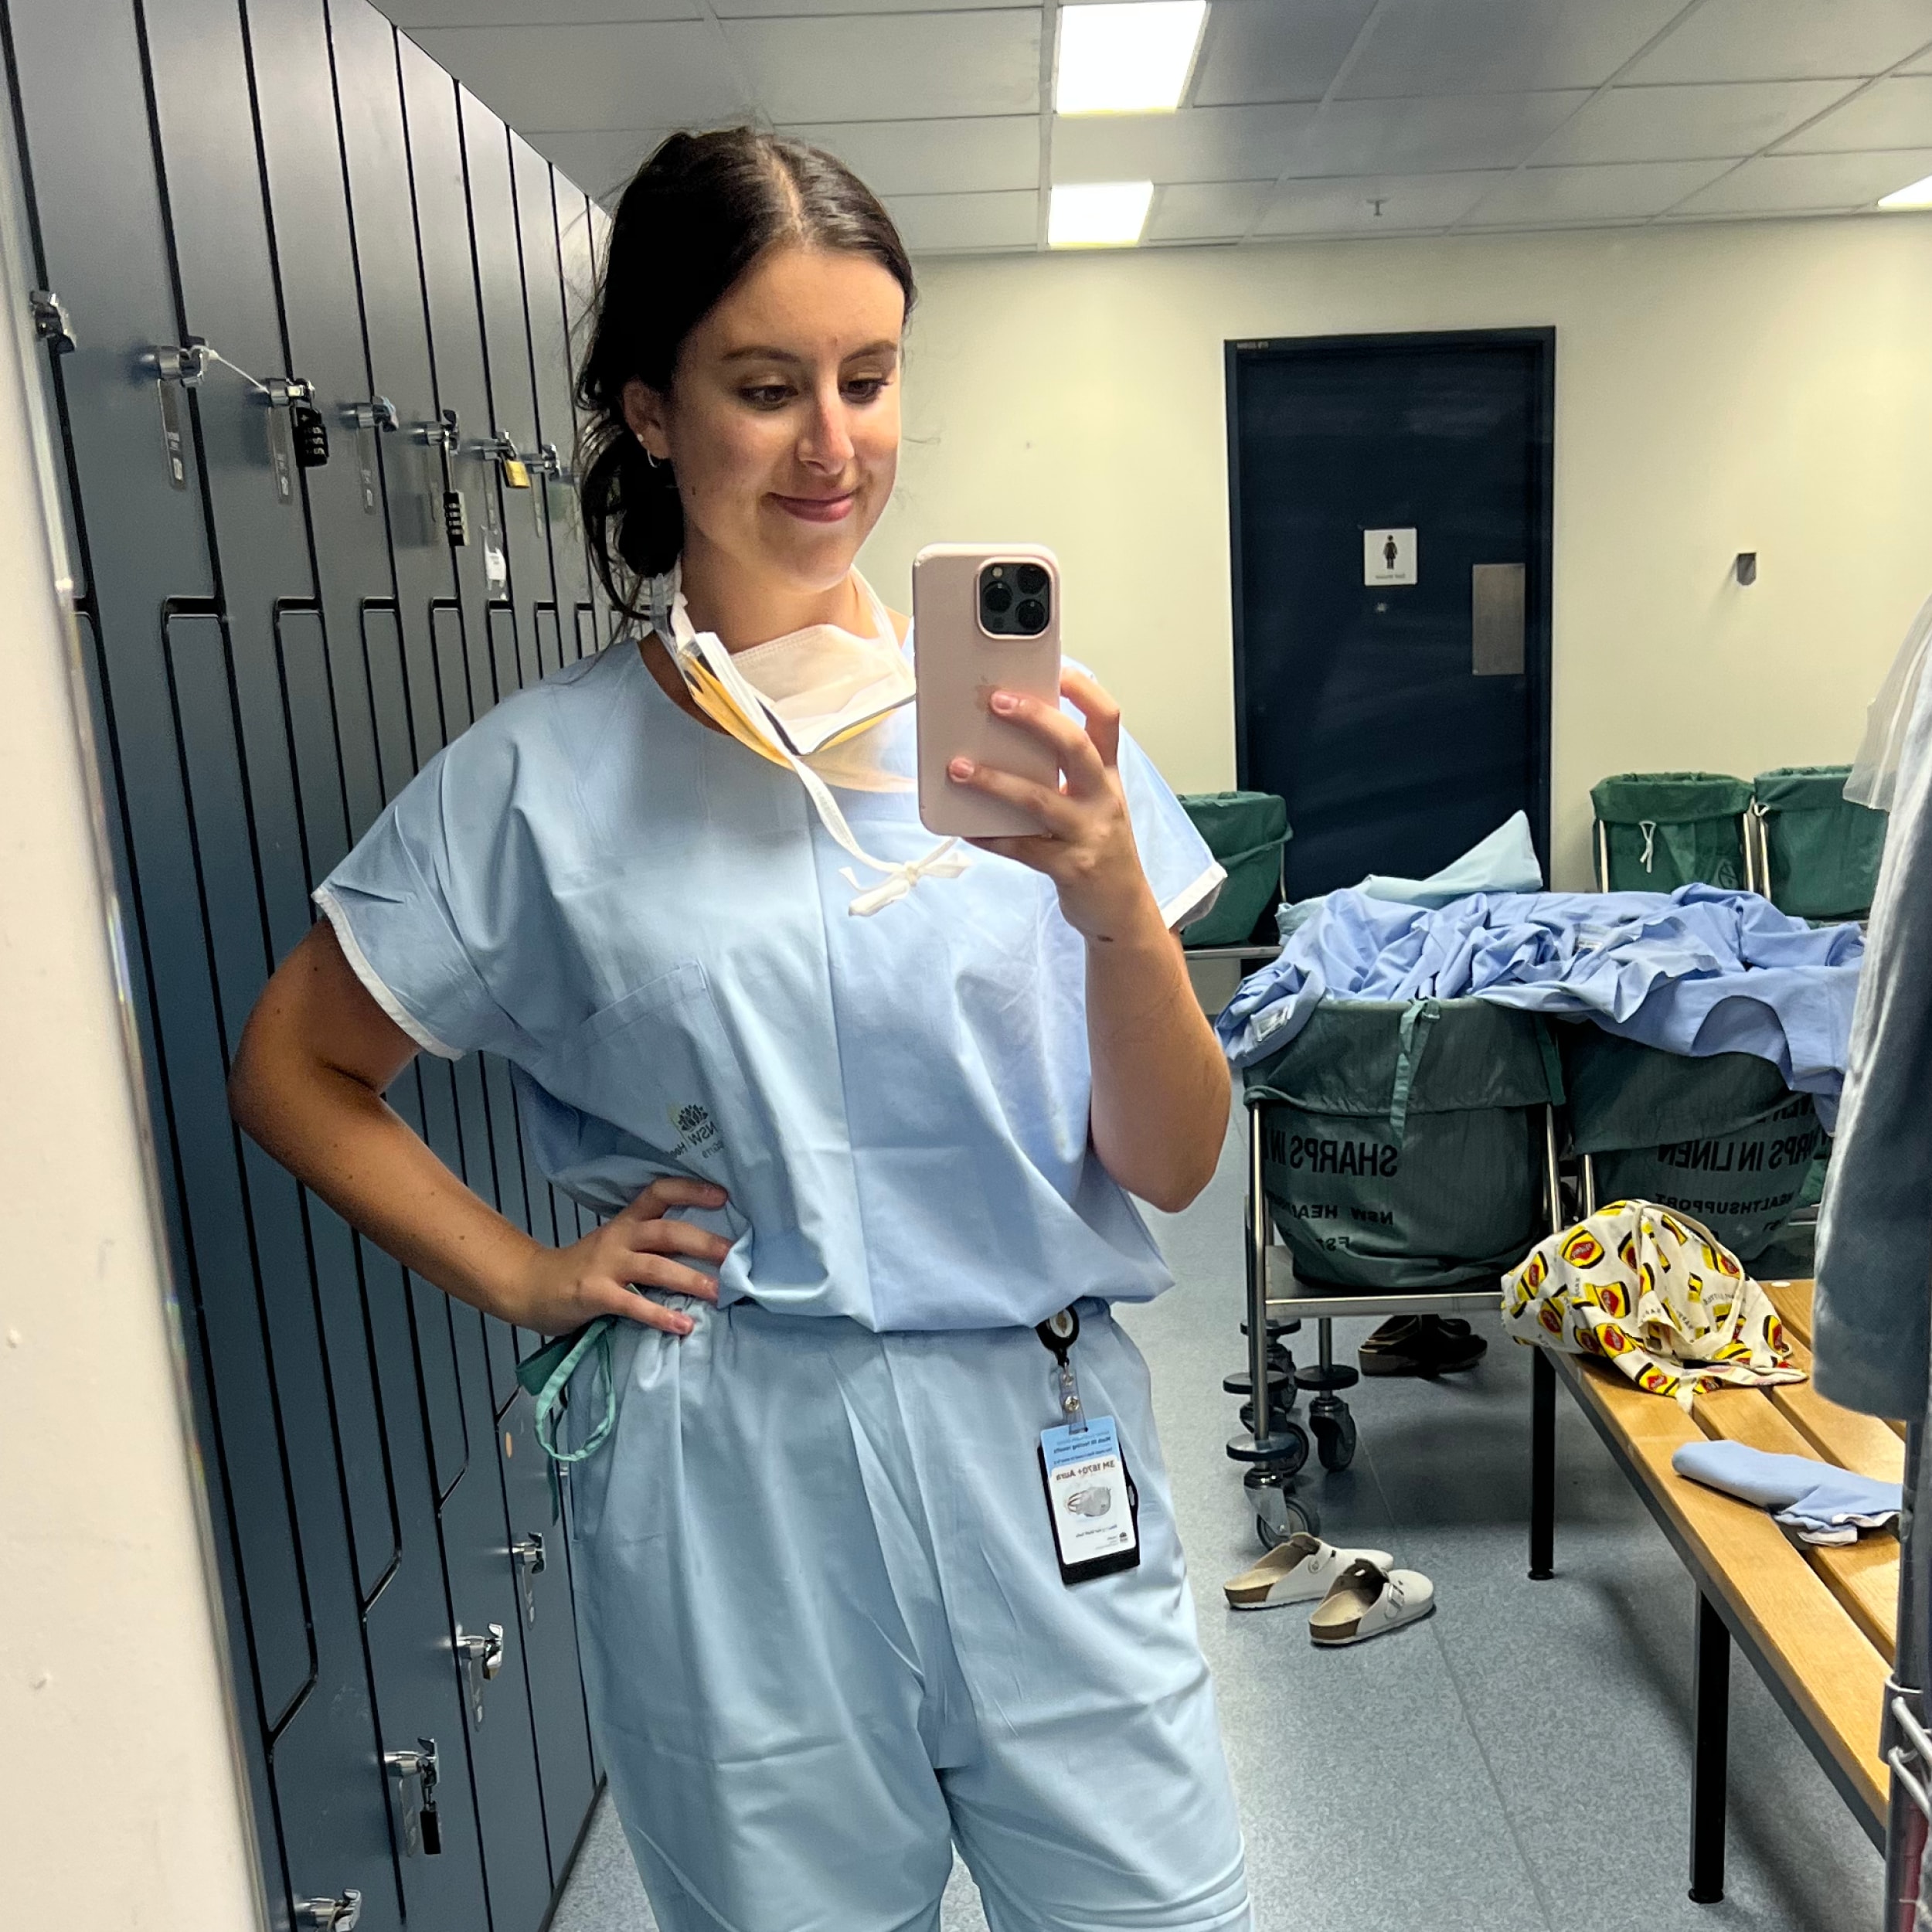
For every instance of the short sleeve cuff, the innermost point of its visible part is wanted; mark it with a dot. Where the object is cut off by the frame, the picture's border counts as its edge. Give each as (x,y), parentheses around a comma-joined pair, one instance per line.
(326,897)
(1196,900)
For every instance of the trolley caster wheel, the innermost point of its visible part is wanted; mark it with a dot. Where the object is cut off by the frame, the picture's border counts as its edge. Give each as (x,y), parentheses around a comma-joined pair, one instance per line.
(1335,1433)
(1276,1329)
(1278,1515)
(1280,1400)
(1279,1454)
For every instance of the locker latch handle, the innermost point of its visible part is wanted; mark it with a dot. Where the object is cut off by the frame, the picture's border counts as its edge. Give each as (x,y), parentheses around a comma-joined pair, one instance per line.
(378,413)
(529,1557)
(446,433)
(422,1823)
(482,1655)
(339,1915)
(51,324)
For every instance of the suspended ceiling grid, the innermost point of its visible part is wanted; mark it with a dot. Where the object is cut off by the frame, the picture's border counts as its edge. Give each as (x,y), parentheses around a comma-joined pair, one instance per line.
(1301,117)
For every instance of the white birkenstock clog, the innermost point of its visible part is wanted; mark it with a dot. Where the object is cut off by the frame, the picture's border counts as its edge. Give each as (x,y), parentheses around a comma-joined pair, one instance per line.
(1369,1600)
(1297,1571)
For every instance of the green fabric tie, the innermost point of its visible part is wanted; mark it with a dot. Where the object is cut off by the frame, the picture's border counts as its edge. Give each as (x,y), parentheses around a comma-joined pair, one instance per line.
(545,1375)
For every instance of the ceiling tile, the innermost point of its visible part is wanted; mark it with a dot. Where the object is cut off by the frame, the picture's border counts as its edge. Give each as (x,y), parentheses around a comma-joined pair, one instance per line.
(1195,144)
(1450,135)
(1623,191)
(1788,40)
(1804,184)
(1893,114)
(850,67)
(600,164)
(1264,50)
(1410,203)
(952,224)
(1206,211)
(817,9)
(934,157)
(1501,46)
(412,14)
(1692,123)
(668,74)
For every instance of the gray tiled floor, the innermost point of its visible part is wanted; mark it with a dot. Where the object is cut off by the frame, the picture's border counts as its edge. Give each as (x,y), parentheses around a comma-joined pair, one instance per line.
(1519,1763)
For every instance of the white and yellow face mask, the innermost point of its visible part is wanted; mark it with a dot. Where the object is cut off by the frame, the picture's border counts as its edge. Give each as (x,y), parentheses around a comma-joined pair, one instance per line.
(811,702)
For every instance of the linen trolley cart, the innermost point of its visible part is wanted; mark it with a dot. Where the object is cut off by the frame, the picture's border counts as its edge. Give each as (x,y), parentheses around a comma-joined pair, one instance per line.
(1401,1157)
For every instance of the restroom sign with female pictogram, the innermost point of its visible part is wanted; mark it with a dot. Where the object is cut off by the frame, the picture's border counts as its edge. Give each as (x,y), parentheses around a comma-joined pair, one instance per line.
(1388,556)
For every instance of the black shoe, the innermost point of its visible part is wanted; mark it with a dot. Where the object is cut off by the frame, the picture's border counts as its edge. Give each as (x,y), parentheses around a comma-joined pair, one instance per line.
(1421,1345)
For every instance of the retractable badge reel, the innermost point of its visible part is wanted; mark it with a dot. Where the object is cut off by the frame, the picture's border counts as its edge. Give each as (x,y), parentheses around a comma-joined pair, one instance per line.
(1090,1498)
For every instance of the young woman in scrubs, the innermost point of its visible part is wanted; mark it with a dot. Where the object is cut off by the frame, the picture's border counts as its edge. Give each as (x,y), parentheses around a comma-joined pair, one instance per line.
(848,1163)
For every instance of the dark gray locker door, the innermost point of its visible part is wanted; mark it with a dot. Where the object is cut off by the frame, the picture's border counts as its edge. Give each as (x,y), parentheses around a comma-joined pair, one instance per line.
(493,216)
(363,45)
(555,370)
(449,292)
(406,1625)
(577,249)
(232,716)
(103,248)
(556,1679)
(506,342)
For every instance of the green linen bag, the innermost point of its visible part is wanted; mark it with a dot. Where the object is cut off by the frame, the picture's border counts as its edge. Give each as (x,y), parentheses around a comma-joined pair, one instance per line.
(1722,1139)
(1246,832)
(1665,828)
(1402,1142)
(1824,850)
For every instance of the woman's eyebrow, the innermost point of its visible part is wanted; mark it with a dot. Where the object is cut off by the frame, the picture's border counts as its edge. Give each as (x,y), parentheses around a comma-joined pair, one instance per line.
(757,352)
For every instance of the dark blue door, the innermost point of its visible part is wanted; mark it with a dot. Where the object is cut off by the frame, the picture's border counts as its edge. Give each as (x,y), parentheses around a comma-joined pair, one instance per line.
(1390,514)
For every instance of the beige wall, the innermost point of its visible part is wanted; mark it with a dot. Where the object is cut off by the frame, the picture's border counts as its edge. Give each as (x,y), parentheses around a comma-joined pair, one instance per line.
(1763,385)
(120,1804)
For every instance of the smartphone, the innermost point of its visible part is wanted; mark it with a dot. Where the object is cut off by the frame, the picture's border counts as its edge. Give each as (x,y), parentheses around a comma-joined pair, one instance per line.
(986,617)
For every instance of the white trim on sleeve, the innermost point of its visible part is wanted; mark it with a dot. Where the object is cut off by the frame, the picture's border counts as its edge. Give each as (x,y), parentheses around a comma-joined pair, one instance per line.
(352,951)
(1193,901)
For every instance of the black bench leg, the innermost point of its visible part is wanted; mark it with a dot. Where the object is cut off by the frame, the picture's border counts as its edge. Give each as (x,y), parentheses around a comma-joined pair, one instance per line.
(1542,1466)
(1711,1699)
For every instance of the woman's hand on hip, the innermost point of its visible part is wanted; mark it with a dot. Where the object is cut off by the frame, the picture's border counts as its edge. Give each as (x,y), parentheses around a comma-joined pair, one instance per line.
(564,1287)
(1087,847)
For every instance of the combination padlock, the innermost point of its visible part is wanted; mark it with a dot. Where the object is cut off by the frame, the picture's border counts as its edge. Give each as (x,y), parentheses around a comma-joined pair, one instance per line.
(311,435)
(456,518)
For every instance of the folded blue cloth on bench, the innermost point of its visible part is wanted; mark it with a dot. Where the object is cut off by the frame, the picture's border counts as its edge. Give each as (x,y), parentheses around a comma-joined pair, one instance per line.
(1822,1503)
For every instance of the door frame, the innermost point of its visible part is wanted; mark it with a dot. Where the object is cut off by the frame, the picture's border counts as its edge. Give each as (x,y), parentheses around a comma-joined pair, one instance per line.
(1247,351)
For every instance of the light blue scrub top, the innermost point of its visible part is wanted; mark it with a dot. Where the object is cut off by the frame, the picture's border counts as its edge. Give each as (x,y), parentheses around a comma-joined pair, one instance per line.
(648,922)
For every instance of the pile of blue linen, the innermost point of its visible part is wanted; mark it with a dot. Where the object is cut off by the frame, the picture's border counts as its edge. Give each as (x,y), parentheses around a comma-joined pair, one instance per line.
(1696,971)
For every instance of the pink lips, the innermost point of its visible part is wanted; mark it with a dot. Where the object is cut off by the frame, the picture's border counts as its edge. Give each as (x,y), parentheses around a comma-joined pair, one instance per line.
(818,509)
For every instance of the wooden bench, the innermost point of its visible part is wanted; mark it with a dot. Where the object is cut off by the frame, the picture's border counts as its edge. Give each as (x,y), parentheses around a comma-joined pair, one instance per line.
(1816,1622)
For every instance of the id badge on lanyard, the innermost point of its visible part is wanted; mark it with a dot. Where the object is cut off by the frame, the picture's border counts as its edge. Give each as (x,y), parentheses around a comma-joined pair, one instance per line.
(1091,1501)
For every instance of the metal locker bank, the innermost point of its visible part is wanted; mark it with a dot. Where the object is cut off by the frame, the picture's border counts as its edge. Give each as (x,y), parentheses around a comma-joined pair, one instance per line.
(305,312)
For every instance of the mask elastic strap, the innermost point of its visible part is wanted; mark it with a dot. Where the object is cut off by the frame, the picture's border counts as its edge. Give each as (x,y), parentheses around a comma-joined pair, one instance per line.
(668,618)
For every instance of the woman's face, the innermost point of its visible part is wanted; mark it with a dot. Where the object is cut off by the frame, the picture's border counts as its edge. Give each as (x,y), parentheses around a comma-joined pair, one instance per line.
(782,422)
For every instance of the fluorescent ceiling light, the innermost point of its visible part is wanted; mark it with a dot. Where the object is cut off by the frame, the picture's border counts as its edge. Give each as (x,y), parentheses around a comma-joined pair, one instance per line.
(1097,214)
(1919,195)
(1126,59)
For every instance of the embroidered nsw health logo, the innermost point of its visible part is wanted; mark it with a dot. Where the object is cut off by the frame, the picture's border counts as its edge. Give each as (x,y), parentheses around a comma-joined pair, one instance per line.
(696,1132)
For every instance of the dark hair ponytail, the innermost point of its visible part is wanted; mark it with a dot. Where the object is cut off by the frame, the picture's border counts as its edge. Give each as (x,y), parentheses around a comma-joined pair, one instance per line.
(695,216)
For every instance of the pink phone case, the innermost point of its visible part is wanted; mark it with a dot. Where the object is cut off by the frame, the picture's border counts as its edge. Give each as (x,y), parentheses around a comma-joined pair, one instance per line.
(959,664)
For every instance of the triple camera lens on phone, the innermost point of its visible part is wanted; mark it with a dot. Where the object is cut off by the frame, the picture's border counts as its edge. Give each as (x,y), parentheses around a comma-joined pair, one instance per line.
(1014,600)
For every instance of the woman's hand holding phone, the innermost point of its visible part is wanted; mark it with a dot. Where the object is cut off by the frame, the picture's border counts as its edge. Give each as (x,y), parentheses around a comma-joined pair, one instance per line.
(1087,847)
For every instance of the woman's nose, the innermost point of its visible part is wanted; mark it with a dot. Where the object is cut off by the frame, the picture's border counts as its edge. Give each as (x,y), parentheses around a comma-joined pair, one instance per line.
(827,444)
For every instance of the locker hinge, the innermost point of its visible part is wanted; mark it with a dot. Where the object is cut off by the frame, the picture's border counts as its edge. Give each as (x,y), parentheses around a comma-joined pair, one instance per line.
(339,1915)
(51,324)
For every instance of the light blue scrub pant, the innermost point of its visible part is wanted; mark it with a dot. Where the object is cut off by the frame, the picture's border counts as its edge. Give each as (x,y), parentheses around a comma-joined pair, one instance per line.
(825,1637)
